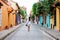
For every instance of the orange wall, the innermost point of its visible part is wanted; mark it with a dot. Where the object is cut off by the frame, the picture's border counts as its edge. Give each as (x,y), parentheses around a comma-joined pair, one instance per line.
(57,19)
(10,19)
(4,17)
(14,19)
(8,16)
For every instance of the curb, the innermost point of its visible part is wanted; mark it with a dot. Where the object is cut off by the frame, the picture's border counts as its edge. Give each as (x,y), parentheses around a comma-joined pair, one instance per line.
(50,34)
(10,32)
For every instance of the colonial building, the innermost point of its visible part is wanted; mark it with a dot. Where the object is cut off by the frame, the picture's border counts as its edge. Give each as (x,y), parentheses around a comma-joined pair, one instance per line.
(55,17)
(8,9)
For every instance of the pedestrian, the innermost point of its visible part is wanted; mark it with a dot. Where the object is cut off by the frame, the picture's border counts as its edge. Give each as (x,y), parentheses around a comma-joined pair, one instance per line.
(28,24)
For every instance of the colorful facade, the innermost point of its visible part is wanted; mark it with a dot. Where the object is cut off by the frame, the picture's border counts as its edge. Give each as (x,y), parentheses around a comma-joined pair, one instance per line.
(44,20)
(48,20)
(7,14)
(40,20)
(51,21)
(55,18)
(4,15)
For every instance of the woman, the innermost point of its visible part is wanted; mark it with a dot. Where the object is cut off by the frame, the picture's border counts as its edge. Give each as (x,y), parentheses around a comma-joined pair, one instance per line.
(28,24)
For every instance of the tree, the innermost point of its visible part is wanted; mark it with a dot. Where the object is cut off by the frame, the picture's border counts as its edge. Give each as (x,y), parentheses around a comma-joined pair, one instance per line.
(23,12)
(39,8)
(52,6)
(44,9)
(34,9)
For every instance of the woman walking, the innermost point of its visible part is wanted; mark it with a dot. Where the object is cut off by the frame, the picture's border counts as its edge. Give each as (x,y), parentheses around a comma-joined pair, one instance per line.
(28,24)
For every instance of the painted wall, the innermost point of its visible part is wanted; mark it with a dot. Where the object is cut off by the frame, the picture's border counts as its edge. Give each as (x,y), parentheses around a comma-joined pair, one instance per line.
(57,19)
(40,20)
(4,17)
(17,18)
(10,19)
(52,21)
(48,20)
(57,27)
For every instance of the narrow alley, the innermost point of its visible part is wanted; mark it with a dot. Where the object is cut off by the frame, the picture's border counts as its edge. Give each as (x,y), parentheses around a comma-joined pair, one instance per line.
(29,19)
(33,34)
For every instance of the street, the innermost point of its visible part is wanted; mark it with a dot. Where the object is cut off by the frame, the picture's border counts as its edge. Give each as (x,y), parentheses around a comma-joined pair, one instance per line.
(29,19)
(33,34)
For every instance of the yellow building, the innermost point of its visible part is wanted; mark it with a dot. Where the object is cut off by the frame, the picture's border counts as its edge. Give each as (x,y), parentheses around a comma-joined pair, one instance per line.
(55,18)
(7,14)
(12,19)
(4,19)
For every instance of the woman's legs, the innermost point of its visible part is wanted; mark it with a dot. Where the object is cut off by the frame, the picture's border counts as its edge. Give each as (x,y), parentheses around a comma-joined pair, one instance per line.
(28,28)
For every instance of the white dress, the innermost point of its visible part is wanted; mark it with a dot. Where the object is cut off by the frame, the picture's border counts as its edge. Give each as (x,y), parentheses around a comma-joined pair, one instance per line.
(29,23)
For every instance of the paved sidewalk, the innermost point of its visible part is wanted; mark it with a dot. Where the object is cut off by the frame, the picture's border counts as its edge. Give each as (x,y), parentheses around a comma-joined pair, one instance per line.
(53,33)
(5,33)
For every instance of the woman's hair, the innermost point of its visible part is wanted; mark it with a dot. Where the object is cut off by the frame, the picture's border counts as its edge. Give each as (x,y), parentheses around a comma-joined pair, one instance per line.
(29,18)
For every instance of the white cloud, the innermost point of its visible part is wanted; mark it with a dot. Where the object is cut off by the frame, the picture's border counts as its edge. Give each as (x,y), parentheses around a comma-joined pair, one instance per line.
(27,3)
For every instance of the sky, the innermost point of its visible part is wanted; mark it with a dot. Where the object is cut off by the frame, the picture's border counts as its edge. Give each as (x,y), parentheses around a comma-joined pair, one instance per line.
(26,3)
